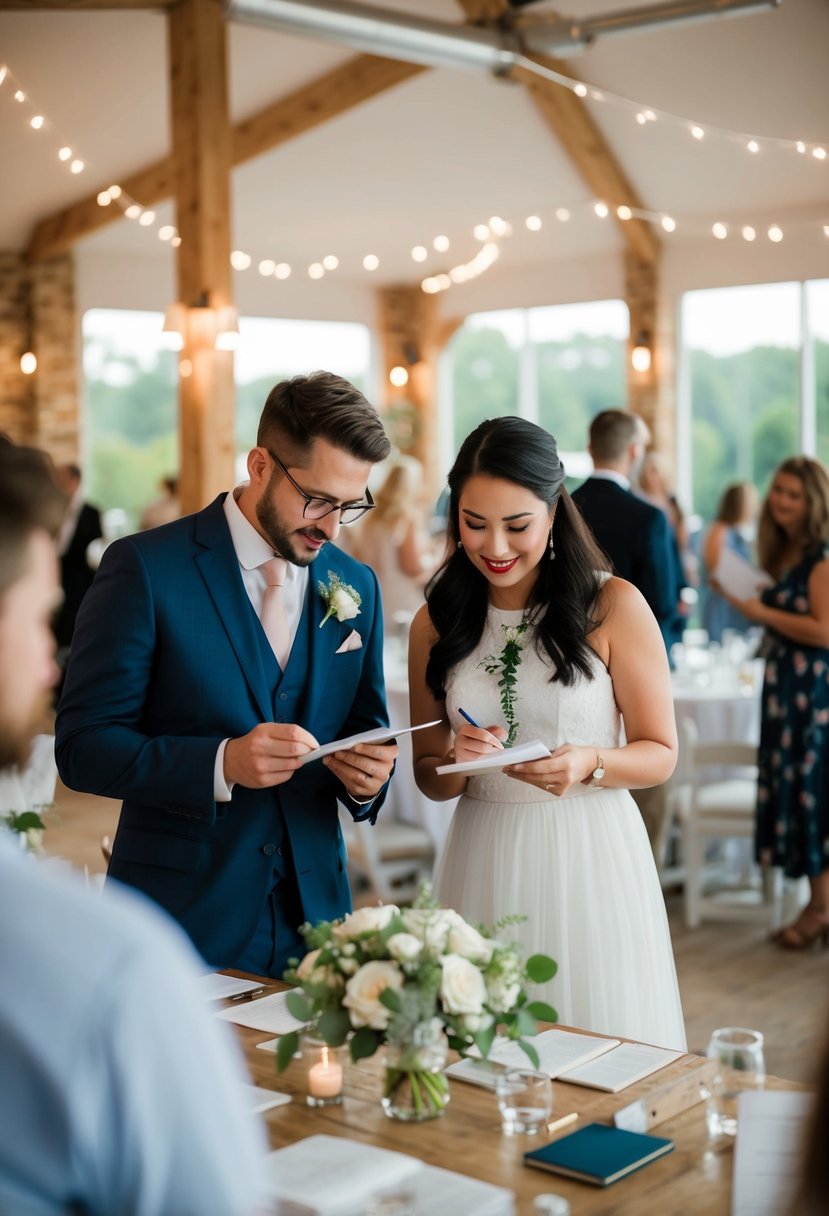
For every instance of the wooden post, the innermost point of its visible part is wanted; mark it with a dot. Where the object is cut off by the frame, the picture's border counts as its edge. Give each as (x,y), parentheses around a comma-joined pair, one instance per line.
(650,393)
(201,154)
(410,338)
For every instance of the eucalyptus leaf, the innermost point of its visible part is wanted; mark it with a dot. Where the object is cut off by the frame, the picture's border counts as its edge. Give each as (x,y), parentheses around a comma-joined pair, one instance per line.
(542,1012)
(333,1026)
(298,1006)
(364,1043)
(530,1052)
(390,999)
(285,1049)
(541,968)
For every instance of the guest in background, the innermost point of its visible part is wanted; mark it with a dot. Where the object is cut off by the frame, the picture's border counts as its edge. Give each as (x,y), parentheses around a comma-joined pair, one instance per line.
(122,1097)
(655,489)
(733,528)
(793,789)
(393,542)
(80,527)
(634,534)
(162,510)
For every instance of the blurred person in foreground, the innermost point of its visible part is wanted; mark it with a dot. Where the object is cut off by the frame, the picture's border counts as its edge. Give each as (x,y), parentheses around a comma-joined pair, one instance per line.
(793,785)
(392,541)
(118,1093)
(812,1190)
(733,529)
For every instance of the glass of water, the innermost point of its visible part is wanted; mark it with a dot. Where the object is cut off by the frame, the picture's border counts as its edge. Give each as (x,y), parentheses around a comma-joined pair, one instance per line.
(739,1054)
(525,1100)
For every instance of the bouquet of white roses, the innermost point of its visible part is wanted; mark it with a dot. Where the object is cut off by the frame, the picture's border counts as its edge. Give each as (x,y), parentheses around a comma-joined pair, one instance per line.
(386,975)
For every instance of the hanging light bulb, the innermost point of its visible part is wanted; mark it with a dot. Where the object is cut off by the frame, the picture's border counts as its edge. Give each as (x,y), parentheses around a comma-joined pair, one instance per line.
(28,363)
(640,356)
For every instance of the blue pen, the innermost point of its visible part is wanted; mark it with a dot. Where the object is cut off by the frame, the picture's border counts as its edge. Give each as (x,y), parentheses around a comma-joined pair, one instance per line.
(469,719)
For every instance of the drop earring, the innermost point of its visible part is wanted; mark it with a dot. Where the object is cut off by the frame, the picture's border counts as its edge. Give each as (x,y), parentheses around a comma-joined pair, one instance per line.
(552,547)
(460,544)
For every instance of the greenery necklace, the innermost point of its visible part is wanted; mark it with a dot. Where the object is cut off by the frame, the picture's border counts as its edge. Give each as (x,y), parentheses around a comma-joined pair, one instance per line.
(505,667)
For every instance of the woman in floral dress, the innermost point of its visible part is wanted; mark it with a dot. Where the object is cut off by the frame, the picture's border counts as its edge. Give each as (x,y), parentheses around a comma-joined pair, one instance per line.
(525,630)
(793,791)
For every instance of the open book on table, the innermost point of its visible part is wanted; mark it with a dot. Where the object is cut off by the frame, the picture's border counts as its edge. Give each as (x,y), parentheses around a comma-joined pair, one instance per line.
(578,1059)
(334,1176)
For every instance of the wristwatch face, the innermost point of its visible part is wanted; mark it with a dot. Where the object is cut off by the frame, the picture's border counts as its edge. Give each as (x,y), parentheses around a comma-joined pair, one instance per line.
(598,773)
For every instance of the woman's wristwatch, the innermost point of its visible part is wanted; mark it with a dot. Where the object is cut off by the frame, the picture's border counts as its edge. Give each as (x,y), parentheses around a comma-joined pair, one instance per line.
(598,772)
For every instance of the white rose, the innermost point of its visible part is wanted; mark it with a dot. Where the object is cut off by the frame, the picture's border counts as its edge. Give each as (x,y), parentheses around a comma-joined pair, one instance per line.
(348,966)
(405,947)
(362,994)
(343,605)
(462,987)
(365,920)
(306,967)
(34,839)
(469,943)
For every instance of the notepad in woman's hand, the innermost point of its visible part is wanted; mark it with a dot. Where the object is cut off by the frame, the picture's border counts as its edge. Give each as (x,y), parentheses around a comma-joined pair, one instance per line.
(520,754)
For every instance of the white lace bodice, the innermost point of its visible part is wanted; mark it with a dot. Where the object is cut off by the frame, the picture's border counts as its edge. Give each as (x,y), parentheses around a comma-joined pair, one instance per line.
(584,713)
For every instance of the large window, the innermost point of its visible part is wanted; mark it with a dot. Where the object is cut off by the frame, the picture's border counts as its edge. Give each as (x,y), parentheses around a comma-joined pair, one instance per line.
(558,365)
(757,384)
(132,396)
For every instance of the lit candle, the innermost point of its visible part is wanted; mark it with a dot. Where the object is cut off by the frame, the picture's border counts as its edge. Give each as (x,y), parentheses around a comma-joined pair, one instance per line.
(325,1079)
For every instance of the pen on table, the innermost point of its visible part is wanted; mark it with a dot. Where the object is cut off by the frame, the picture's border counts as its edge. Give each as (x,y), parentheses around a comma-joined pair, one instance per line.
(245,996)
(469,718)
(556,1125)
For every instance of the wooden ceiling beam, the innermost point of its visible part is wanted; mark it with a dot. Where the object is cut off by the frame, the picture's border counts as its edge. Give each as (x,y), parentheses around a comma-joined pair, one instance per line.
(574,127)
(334,93)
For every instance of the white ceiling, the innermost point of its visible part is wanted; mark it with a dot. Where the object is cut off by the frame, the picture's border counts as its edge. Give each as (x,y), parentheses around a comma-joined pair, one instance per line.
(437,154)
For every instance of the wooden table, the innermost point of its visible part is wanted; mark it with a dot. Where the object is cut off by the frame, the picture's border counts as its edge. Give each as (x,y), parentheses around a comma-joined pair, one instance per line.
(693,1180)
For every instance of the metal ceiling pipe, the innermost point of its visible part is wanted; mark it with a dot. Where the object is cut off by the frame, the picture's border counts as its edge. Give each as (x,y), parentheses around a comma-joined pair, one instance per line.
(382,32)
(439,44)
(562,37)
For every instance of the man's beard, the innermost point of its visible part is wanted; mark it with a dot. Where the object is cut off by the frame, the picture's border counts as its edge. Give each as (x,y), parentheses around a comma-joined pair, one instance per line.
(16,740)
(280,538)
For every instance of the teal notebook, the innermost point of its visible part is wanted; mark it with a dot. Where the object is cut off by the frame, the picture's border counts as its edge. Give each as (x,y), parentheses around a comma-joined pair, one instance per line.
(598,1154)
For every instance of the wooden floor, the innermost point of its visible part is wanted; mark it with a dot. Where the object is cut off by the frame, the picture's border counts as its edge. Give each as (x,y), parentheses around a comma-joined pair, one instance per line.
(729,974)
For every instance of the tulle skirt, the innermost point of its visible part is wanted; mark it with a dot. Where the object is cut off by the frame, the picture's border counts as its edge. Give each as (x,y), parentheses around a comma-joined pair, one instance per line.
(582,873)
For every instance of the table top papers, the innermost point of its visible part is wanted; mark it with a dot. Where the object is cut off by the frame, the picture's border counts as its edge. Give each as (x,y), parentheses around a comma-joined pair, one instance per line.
(269,1013)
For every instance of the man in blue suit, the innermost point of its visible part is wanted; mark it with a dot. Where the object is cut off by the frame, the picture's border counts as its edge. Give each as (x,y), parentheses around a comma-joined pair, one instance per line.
(190,700)
(634,534)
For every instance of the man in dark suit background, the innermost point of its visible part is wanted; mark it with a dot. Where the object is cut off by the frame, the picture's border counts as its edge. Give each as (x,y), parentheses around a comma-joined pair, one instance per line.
(187,698)
(634,534)
(81,525)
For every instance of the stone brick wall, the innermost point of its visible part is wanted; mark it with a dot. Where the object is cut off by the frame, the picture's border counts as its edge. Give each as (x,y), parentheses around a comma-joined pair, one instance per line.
(37,312)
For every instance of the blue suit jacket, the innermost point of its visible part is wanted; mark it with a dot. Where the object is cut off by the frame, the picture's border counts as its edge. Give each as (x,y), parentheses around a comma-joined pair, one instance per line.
(168,660)
(636,536)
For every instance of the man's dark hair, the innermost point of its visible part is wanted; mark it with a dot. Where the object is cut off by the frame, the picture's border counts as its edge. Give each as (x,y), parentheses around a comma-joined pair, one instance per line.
(29,501)
(612,432)
(321,406)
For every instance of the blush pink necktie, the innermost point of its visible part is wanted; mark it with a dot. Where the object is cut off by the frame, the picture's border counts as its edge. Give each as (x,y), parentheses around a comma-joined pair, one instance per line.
(274,620)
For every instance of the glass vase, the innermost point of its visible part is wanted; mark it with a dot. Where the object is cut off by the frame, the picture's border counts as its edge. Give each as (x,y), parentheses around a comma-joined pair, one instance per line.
(414,1084)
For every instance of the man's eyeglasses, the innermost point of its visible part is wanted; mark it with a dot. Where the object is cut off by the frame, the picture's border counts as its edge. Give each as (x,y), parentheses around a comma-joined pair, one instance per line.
(318,508)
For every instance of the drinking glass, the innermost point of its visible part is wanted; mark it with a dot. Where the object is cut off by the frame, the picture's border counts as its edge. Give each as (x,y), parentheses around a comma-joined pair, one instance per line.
(739,1054)
(525,1100)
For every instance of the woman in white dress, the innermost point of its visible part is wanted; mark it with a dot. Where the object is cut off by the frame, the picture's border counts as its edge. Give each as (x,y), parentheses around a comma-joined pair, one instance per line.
(527,631)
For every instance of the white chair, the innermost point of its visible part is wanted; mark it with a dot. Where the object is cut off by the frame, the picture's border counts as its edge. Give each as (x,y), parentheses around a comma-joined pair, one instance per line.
(722,808)
(394,858)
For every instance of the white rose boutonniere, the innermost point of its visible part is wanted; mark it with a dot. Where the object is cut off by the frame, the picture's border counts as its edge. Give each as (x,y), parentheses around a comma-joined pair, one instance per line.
(341,600)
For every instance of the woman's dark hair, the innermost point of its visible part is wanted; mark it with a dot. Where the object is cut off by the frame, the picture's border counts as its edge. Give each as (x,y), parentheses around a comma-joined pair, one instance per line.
(518,451)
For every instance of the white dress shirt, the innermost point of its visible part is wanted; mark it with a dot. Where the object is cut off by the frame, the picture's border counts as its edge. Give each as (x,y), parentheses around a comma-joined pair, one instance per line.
(252,550)
(611,475)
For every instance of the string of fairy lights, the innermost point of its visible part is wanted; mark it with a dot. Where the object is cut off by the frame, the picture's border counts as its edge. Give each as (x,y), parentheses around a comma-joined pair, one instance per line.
(488,235)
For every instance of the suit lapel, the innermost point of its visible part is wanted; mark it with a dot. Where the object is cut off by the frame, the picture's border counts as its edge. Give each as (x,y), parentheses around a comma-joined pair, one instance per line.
(218,565)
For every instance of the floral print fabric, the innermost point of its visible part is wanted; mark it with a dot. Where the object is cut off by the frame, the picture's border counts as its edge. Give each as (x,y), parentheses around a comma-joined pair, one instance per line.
(793,790)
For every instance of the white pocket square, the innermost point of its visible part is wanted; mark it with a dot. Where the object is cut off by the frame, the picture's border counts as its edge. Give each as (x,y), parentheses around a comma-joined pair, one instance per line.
(352,642)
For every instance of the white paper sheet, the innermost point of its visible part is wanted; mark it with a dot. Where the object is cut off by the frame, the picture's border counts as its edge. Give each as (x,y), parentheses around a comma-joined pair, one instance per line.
(771,1136)
(739,577)
(380,734)
(523,752)
(269,1013)
(259,1100)
(218,987)
(623,1066)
